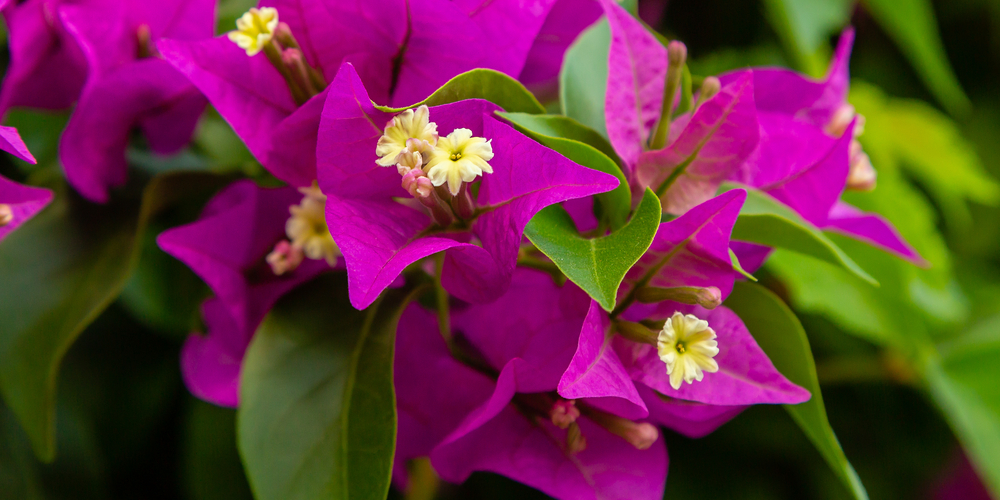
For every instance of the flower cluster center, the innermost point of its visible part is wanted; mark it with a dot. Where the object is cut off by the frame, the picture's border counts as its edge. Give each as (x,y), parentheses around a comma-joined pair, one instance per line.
(254,29)
(308,233)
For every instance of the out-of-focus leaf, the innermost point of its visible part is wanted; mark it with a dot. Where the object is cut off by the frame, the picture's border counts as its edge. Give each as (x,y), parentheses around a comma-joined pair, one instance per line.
(596,265)
(804,27)
(317,415)
(40,132)
(963,383)
(228,11)
(766,221)
(779,333)
(211,464)
(58,272)
(912,26)
(481,83)
(583,80)
(908,134)
(574,141)
(18,472)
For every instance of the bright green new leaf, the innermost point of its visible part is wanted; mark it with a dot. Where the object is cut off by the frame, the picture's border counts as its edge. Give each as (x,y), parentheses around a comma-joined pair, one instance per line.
(911,25)
(805,26)
(574,141)
(482,83)
(58,272)
(597,265)
(766,221)
(779,333)
(583,80)
(317,416)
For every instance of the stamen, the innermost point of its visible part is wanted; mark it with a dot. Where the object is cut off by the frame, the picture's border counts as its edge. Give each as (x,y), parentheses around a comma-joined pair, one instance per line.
(687,346)
(6,214)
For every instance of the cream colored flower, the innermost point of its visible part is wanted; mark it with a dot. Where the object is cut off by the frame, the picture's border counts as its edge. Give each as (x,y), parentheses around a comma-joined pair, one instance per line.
(459,158)
(307,228)
(410,130)
(254,29)
(687,345)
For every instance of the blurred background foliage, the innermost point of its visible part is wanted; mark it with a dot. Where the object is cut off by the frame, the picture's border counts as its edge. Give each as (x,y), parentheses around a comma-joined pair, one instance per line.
(909,370)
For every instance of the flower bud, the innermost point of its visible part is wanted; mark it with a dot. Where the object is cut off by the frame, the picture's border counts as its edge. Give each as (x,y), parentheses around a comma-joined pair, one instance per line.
(564,413)
(707,297)
(284,258)
(641,435)
(676,54)
(6,214)
(709,89)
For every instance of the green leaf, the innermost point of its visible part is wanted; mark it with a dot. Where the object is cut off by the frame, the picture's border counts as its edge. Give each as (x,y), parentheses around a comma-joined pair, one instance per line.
(317,414)
(597,265)
(210,467)
(766,221)
(780,334)
(58,272)
(737,267)
(481,83)
(911,24)
(574,141)
(963,383)
(804,27)
(583,80)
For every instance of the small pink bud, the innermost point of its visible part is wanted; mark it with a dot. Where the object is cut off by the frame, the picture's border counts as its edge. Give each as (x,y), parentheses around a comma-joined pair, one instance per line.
(642,435)
(862,176)
(284,258)
(6,214)
(564,413)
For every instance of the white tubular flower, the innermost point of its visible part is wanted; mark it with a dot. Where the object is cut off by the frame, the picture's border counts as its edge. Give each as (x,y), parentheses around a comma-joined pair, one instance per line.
(307,228)
(459,158)
(687,345)
(254,29)
(411,128)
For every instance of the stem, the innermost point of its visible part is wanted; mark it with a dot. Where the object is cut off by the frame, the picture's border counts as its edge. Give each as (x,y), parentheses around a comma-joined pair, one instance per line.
(444,317)
(677,54)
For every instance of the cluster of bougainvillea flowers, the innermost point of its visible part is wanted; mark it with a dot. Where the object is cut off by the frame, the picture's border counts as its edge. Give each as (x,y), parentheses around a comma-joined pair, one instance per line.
(543,384)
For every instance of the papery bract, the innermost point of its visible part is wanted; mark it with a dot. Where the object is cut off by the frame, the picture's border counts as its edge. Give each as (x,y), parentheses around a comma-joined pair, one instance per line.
(128,86)
(18,203)
(379,236)
(491,433)
(226,247)
(399,49)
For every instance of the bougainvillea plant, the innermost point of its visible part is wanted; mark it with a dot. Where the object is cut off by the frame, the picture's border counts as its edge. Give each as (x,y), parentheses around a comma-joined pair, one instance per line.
(511,237)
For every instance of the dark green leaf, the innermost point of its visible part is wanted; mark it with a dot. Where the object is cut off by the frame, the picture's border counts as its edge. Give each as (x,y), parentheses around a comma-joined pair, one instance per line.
(481,83)
(767,221)
(317,406)
(211,464)
(58,272)
(911,25)
(583,81)
(576,142)
(779,333)
(597,265)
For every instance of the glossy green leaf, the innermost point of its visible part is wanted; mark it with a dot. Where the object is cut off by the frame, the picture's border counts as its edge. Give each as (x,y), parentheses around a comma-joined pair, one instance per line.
(596,265)
(805,26)
(912,26)
(780,334)
(576,142)
(317,415)
(482,83)
(766,221)
(58,272)
(583,80)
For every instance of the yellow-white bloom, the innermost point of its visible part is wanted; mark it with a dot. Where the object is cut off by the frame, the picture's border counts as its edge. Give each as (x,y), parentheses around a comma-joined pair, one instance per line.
(254,29)
(459,158)
(412,130)
(687,345)
(307,228)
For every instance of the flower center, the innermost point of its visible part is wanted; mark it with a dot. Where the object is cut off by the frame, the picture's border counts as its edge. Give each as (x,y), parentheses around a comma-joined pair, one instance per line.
(308,233)
(6,214)
(254,29)
(455,156)
(688,347)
